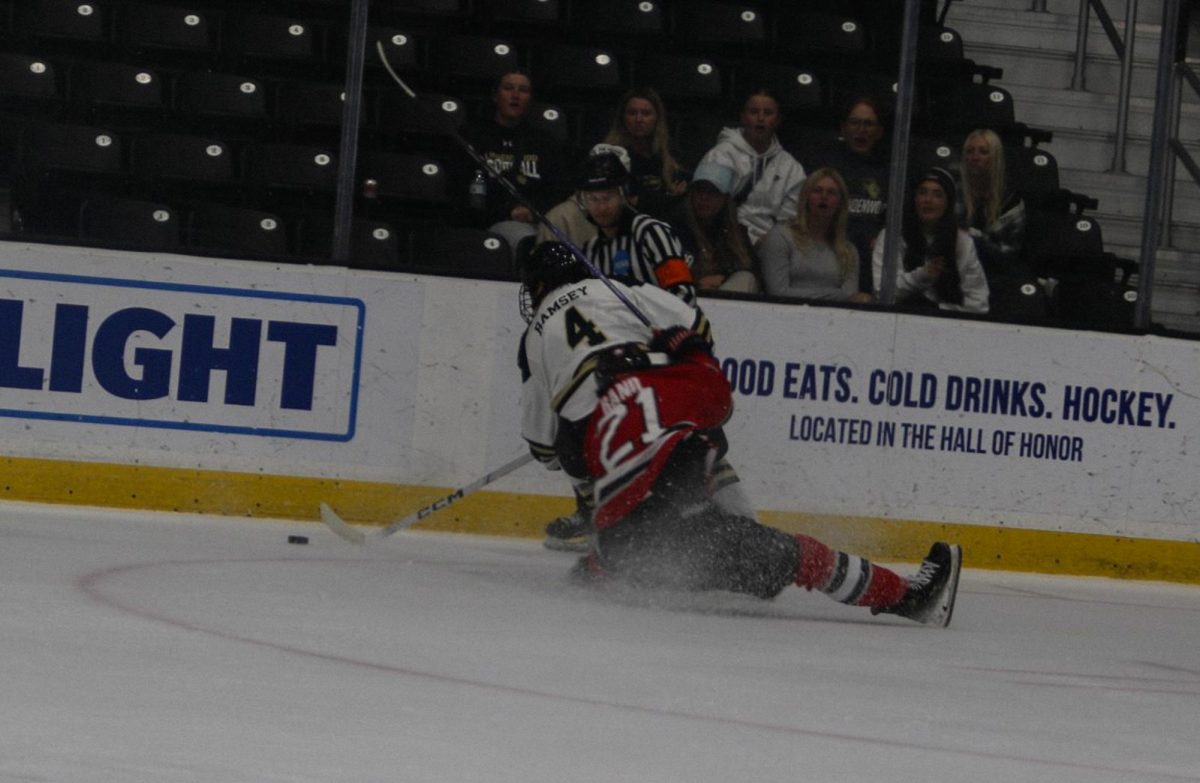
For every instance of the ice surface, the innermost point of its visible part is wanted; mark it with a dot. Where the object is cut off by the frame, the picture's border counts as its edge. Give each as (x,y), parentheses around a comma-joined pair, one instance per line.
(153,647)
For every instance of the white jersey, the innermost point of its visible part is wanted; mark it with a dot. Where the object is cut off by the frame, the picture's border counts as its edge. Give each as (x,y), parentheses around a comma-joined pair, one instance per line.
(572,325)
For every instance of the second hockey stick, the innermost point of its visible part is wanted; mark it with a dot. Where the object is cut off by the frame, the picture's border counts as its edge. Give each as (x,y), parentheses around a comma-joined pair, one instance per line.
(356,536)
(498,178)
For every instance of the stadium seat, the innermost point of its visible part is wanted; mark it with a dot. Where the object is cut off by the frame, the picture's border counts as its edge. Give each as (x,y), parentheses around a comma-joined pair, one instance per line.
(222,228)
(709,23)
(622,17)
(552,119)
(847,83)
(29,83)
(416,179)
(473,61)
(266,39)
(464,251)
(308,104)
(83,149)
(374,244)
(1061,244)
(222,99)
(681,76)
(107,90)
(521,12)
(565,69)
(53,162)
(939,44)
(290,167)
(1017,299)
(10,144)
(169,160)
(988,105)
(404,50)
(796,88)
(975,105)
(430,115)
(81,22)
(1098,295)
(944,151)
(830,37)
(126,222)
(1032,173)
(167,30)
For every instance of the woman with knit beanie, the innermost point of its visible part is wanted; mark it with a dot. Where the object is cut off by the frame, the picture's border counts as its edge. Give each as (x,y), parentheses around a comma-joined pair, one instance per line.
(939,265)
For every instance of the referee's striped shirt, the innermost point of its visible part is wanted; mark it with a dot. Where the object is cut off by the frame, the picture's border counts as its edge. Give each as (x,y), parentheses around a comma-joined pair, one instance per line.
(641,244)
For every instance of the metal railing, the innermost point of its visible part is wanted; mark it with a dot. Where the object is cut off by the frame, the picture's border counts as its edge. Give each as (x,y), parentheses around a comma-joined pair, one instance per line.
(1160,174)
(1124,51)
(1184,74)
(1157,169)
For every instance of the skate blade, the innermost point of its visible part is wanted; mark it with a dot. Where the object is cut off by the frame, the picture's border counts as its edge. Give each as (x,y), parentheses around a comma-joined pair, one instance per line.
(577,544)
(943,608)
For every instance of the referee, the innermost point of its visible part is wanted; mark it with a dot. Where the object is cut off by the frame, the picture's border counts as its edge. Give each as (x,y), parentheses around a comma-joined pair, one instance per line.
(630,246)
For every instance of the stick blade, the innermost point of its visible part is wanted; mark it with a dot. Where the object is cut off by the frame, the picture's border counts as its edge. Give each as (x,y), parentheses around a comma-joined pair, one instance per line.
(339,526)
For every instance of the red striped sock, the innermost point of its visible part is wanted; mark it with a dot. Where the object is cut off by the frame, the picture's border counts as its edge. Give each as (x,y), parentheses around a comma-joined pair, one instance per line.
(846,578)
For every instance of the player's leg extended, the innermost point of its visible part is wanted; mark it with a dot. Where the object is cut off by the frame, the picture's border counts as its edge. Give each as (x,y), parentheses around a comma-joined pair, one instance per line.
(928,597)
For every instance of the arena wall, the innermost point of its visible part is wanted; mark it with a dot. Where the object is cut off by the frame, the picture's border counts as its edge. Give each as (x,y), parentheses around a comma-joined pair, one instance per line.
(247,388)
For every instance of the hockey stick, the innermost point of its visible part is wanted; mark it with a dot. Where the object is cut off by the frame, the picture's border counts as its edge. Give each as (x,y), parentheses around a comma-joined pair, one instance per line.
(496,177)
(356,536)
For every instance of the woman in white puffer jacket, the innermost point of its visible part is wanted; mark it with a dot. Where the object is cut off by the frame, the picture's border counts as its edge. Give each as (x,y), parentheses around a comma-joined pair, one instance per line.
(767,179)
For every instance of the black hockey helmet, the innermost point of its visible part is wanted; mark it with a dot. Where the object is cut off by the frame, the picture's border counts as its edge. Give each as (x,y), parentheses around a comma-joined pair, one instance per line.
(602,172)
(550,265)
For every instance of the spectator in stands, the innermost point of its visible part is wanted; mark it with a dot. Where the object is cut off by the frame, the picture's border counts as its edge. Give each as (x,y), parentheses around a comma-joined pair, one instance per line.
(527,156)
(767,179)
(630,245)
(859,156)
(640,126)
(991,214)
(812,257)
(718,246)
(939,266)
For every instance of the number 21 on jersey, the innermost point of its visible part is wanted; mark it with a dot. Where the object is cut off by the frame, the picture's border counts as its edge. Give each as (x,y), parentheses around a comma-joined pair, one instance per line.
(629,422)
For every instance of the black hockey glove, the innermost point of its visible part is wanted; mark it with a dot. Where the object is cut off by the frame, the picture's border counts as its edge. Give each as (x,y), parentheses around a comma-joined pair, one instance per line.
(628,357)
(678,341)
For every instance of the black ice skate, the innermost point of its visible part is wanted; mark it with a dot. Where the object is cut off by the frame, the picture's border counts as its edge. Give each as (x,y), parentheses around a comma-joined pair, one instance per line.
(931,591)
(569,534)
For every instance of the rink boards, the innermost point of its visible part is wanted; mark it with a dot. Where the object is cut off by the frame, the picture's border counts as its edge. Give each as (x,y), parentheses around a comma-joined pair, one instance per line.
(248,388)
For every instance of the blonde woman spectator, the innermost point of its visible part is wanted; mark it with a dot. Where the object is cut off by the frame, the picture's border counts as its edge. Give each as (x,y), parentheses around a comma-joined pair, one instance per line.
(640,126)
(859,156)
(767,179)
(991,214)
(707,226)
(812,258)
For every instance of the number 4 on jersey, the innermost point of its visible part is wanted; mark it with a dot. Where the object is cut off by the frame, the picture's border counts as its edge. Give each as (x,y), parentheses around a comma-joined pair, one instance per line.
(580,329)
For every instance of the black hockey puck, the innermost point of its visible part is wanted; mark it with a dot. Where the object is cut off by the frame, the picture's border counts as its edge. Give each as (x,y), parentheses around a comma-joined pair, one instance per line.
(297,539)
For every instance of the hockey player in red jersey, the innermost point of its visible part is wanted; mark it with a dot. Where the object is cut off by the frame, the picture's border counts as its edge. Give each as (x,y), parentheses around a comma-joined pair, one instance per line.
(636,414)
